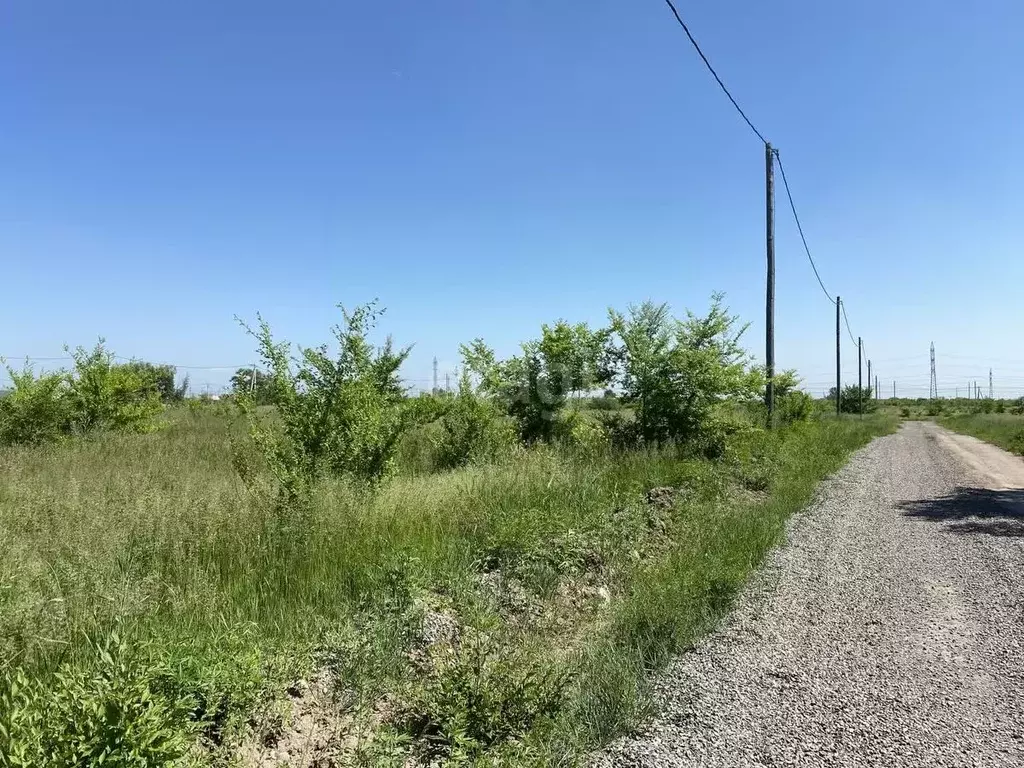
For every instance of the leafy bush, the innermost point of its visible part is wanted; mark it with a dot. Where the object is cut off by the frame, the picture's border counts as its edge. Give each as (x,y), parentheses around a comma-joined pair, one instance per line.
(335,415)
(472,429)
(97,395)
(108,715)
(36,410)
(254,384)
(791,404)
(104,395)
(479,698)
(162,379)
(678,374)
(533,387)
(855,399)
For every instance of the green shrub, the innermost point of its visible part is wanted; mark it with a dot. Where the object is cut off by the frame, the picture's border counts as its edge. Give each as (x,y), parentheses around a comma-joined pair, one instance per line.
(855,399)
(104,395)
(108,714)
(680,374)
(97,395)
(335,415)
(36,410)
(472,429)
(534,386)
(480,697)
(791,404)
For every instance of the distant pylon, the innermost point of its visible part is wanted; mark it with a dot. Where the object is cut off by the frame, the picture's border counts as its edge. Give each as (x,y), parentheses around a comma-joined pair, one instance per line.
(990,384)
(434,390)
(933,388)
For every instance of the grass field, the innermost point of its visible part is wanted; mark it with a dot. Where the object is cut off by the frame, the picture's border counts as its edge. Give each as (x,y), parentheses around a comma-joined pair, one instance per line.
(498,614)
(1002,429)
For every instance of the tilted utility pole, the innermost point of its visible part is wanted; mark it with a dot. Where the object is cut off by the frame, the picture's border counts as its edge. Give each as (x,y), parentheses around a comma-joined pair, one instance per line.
(839,383)
(769,354)
(860,377)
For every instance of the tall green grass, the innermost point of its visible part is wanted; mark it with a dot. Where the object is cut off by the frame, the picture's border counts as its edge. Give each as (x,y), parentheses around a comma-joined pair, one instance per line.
(220,599)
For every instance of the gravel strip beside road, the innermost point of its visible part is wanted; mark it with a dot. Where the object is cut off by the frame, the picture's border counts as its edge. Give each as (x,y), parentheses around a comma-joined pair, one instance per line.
(887,631)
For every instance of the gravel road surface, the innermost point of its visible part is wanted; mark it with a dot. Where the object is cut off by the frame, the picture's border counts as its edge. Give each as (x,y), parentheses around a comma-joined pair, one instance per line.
(887,631)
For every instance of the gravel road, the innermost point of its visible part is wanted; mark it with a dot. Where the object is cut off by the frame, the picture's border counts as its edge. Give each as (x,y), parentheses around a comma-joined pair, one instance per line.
(887,631)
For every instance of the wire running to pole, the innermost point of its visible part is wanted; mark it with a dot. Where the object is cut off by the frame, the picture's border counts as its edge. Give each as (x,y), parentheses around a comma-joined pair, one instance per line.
(799,227)
(711,69)
(847,321)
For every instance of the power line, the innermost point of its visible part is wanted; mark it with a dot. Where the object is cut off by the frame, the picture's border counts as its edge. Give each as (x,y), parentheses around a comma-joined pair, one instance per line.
(847,321)
(713,73)
(799,227)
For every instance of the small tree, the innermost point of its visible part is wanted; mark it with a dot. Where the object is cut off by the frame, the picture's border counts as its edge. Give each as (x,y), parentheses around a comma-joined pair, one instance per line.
(679,374)
(791,404)
(533,387)
(339,414)
(855,399)
(161,377)
(104,395)
(254,384)
(36,409)
(471,429)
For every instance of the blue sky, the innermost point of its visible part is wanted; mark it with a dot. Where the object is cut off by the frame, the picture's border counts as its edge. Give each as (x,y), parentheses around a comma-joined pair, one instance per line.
(483,167)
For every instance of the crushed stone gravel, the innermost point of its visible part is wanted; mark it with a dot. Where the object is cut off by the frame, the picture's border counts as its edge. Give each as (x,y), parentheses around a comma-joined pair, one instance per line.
(888,630)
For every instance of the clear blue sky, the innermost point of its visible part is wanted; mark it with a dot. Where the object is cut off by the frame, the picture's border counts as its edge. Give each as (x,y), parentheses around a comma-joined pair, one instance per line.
(483,167)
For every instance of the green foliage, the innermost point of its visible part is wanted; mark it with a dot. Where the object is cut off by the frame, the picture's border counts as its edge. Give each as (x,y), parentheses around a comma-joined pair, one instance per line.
(104,715)
(533,386)
(253,384)
(791,404)
(161,377)
(678,374)
(471,429)
(336,415)
(97,395)
(478,698)
(36,410)
(104,395)
(855,399)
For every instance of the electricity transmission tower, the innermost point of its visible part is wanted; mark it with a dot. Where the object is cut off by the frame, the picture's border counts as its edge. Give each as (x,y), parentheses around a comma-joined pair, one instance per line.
(434,390)
(989,383)
(933,387)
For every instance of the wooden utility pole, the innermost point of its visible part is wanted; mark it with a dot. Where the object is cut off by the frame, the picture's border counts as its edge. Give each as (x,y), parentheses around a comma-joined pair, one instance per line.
(894,389)
(860,377)
(769,354)
(839,385)
(869,375)
(876,386)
